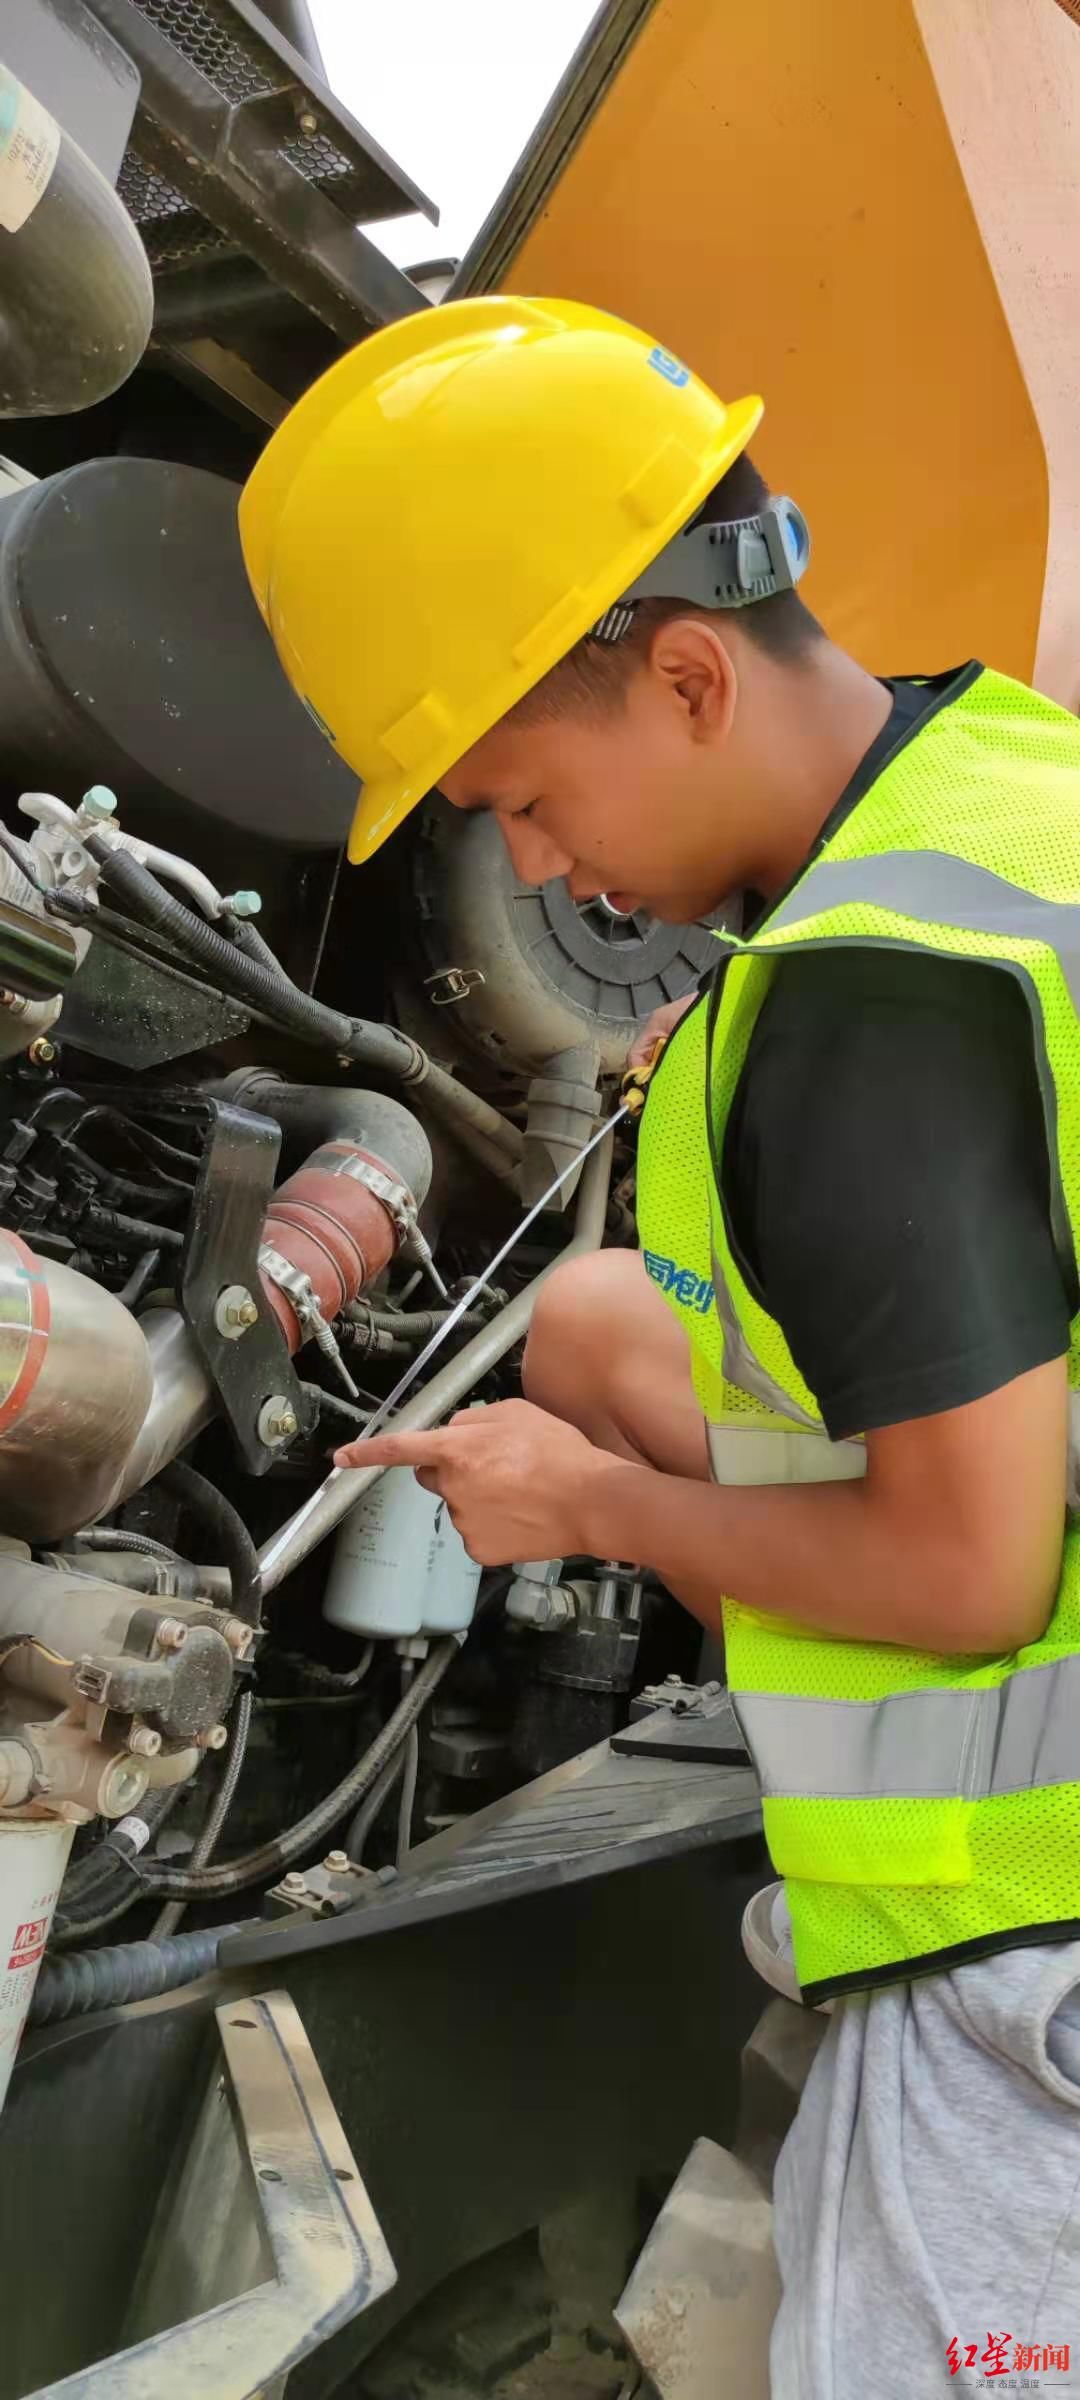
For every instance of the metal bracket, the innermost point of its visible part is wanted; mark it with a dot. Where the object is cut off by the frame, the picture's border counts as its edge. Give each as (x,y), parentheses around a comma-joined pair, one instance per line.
(683,1720)
(233,1192)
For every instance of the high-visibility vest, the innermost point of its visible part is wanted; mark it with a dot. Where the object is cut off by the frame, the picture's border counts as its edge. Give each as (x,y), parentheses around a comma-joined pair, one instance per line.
(922,1809)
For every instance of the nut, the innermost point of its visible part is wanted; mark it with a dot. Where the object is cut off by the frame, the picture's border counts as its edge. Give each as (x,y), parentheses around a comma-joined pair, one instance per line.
(276,1421)
(171,1634)
(294,1883)
(308,121)
(143,1742)
(336,1862)
(42,1052)
(235,1311)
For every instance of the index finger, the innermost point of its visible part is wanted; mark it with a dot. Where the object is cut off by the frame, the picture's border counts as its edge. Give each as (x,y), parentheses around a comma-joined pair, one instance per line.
(395,1450)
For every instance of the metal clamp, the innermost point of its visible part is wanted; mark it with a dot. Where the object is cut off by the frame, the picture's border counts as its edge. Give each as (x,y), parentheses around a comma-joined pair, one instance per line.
(304,1301)
(453,984)
(395,1196)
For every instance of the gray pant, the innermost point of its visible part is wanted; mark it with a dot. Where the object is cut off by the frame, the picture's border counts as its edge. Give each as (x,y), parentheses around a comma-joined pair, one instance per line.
(929,2190)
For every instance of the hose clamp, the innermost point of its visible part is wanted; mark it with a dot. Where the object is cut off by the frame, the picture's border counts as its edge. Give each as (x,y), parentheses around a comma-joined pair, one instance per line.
(303,1299)
(394,1195)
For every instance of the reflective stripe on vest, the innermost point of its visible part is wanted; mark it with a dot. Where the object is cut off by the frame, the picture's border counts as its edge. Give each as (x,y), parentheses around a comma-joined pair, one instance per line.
(922,1806)
(933,889)
(970,1745)
(745,1452)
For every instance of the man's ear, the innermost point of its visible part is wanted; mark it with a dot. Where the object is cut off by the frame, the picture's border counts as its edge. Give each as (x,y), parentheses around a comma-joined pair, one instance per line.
(691,660)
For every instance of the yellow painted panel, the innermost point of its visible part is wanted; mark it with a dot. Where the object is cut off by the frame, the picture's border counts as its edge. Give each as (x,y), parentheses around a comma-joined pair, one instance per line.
(771,188)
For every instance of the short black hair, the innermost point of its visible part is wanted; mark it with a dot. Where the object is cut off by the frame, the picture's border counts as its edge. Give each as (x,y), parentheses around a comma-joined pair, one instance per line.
(594,673)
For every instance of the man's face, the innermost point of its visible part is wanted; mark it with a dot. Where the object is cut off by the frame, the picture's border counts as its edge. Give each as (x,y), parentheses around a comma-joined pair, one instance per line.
(620,799)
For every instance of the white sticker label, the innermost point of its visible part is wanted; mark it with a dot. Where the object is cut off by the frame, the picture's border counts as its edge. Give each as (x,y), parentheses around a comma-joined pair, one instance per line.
(138,1833)
(29,143)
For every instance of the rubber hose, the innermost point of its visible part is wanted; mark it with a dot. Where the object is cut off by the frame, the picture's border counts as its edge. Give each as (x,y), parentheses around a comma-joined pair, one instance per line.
(203,1498)
(214,1883)
(106,1881)
(407,1802)
(311,1114)
(70,1987)
(245,977)
(411,1326)
(370,1809)
(117,1537)
(207,1840)
(386,1052)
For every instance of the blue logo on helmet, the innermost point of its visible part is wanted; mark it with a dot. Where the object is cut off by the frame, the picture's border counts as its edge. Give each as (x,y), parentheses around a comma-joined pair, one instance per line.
(672,369)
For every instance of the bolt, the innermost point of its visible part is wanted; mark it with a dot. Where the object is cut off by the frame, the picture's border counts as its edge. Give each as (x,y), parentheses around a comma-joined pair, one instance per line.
(336,1861)
(308,121)
(235,1311)
(14,1001)
(214,1738)
(171,1634)
(98,803)
(42,1052)
(294,1883)
(244,904)
(122,1787)
(238,1636)
(277,1420)
(143,1742)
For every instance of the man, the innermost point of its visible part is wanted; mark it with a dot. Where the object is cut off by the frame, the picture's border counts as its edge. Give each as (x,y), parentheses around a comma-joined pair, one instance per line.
(517,551)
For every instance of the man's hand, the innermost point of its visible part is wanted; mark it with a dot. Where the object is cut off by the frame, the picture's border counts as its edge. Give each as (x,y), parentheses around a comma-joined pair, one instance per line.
(657,1028)
(512,1477)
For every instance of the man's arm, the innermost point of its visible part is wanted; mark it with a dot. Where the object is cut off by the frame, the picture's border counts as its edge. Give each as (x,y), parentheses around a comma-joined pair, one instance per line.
(952,1543)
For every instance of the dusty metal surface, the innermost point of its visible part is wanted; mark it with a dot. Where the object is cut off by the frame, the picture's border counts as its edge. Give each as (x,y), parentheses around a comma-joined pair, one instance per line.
(263,2245)
(587,1817)
(486,2066)
(699,2305)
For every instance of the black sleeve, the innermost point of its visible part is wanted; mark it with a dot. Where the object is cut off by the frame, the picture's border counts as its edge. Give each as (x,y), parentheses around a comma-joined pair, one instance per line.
(885,1174)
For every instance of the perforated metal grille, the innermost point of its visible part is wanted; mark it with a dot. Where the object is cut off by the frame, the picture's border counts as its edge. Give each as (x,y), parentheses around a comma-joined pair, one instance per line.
(171,229)
(321,161)
(223,54)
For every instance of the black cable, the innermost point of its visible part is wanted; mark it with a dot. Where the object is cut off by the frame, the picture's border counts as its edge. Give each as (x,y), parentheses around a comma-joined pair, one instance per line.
(248,979)
(105,1881)
(269,1860)
(111,1225)
(370,1809)
(206,1841)
(205,1501)
(245,977)
(326,1679)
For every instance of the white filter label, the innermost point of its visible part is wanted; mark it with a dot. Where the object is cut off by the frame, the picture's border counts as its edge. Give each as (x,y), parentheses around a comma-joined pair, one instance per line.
(29,144)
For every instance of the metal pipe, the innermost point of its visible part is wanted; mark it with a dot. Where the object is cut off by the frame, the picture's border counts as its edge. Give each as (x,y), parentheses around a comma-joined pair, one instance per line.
(446,1390)
(182,1401)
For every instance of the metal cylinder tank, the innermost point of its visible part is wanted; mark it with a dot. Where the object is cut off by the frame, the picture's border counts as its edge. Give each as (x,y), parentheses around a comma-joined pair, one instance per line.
(75,1384)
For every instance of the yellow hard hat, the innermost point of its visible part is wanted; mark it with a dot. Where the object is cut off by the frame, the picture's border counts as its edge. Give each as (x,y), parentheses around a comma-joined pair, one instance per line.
(452,506)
